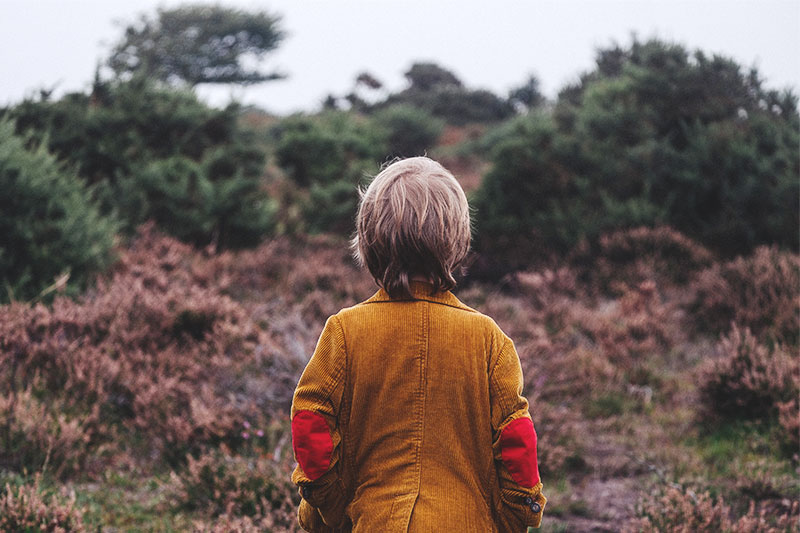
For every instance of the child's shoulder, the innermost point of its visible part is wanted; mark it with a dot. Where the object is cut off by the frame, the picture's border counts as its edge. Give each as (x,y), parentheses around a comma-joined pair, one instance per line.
(362,312)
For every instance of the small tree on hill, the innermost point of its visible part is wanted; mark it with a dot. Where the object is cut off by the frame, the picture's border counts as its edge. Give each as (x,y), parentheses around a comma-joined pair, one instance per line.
(196,44)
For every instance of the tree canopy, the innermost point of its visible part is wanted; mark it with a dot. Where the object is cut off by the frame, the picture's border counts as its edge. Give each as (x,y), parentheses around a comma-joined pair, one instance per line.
(195,44)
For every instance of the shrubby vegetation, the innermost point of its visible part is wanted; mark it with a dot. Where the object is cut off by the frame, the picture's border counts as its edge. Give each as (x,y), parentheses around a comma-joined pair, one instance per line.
(25,508)
(440,92)
(408,131)
(156,153)
(327,157)
(750,381)
(752,292)
(50,229)
(653,135)
(636,238)
(681,510)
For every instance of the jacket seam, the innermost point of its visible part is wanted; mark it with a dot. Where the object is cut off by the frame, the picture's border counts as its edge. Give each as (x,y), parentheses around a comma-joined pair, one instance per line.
(345,435)
(454,306)
(500,397)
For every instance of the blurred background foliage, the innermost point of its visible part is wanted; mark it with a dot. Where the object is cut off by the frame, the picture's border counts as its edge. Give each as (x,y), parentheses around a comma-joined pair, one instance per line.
(638,235)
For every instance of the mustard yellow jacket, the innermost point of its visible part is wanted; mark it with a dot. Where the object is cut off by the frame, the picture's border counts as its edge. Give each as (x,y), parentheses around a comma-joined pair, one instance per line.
(410,417)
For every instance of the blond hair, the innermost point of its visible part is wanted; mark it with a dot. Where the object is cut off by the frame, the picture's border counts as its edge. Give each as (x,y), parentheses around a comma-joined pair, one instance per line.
(412,222)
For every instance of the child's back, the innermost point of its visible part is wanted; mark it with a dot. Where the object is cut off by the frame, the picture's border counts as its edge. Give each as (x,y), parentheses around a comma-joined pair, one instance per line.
(409,417)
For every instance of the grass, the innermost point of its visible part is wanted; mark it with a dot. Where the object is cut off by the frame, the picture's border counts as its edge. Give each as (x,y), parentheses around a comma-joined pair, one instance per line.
(130,504)
(743,459)
(609,404)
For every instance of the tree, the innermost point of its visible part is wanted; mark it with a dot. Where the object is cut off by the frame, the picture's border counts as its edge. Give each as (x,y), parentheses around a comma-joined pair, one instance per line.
(196,44)
(528,95)
(428,76)
(438,91)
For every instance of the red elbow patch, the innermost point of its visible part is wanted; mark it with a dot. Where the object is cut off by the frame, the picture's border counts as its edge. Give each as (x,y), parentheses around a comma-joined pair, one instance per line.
(518,450)
(312,443)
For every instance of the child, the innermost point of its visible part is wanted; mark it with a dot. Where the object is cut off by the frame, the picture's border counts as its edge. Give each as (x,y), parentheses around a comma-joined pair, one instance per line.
(410,414)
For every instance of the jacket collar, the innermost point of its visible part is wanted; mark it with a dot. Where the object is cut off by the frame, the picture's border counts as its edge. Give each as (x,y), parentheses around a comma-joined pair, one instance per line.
(421,290)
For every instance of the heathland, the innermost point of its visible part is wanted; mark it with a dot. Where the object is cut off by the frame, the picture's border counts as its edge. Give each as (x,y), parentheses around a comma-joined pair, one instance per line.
(167,268)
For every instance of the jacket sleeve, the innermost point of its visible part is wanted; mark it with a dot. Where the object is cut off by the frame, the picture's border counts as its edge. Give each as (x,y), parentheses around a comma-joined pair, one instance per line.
(316,436)
(514,445)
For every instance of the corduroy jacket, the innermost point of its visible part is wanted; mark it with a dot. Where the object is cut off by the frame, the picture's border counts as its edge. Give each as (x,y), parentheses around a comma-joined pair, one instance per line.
(409,417)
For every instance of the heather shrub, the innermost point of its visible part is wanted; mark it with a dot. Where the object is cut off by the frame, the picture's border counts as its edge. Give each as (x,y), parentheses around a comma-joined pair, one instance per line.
(151,352)
(789,421)
(633,328)
(219,483)
(748,379)
(312,275)
(25,509)
(49,225)
(37,435)
(681,510)
(760,292)
(628,257)
(240,524)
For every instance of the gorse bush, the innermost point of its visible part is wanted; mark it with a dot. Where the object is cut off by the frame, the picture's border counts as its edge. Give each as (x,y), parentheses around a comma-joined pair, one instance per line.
(157,153)
(760,291)
(654,135)
(49,226)
(409,131)
(327,147)
(24,509)
(328,156)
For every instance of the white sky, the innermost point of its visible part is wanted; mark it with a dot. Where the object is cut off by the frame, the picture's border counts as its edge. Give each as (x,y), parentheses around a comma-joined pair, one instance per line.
(492,44)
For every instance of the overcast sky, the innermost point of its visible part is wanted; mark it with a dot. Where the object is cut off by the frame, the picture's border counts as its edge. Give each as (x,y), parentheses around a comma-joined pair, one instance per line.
(492,44)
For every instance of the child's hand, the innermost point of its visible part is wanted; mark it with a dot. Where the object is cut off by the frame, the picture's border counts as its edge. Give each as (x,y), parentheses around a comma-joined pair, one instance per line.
(311,521)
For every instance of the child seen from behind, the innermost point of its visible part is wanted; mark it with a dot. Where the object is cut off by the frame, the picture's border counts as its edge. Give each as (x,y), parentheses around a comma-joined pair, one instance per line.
(410,415)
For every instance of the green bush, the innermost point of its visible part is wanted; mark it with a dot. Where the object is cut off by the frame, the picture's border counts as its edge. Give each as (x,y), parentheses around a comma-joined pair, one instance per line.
(327,147)
(410,131)
(655,135)
(48,224)
(158,153)
(327,156)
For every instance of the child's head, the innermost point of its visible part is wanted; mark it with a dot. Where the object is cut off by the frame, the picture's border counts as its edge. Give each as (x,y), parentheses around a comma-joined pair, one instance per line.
(412,223)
